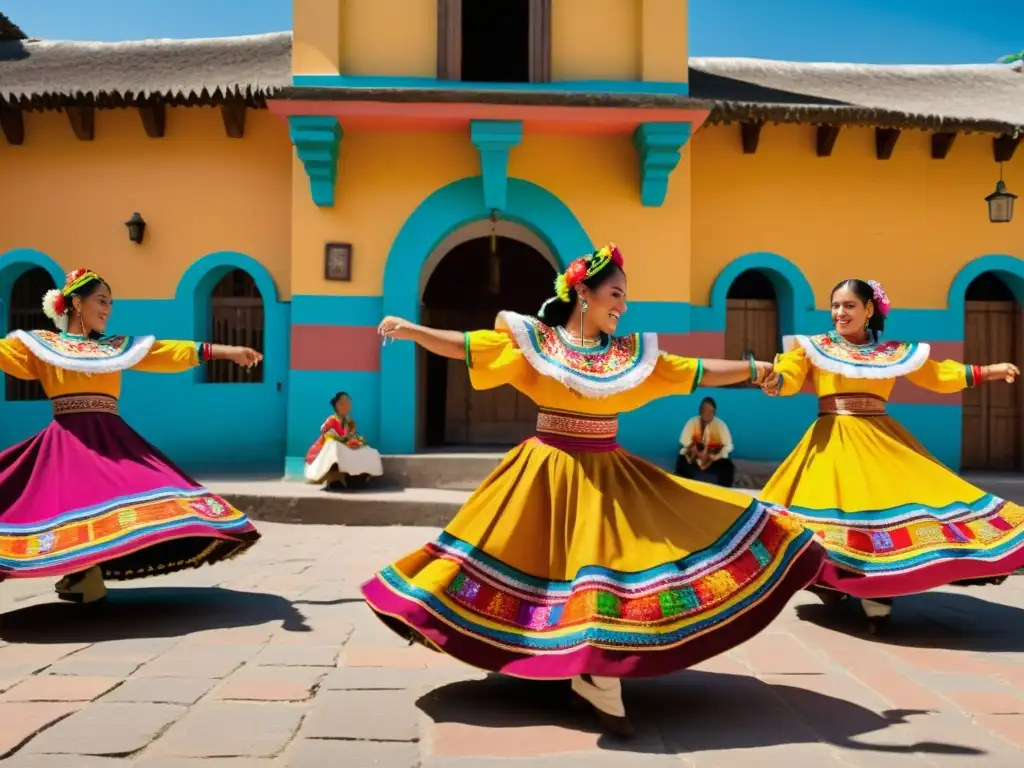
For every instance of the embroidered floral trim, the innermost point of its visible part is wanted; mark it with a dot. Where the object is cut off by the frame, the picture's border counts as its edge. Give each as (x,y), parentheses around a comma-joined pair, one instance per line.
(106,355)
(918,536)
(618,366)
(874,360)
(659,607)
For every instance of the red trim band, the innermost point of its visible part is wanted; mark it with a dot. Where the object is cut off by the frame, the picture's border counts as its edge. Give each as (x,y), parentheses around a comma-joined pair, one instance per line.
(206,352)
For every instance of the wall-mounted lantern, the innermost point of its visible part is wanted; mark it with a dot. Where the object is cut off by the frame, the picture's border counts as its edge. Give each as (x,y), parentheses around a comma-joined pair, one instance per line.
(1000,202)
(136,228)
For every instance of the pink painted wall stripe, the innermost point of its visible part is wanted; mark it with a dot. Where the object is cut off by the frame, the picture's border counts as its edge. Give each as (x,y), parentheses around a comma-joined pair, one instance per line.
(335,348)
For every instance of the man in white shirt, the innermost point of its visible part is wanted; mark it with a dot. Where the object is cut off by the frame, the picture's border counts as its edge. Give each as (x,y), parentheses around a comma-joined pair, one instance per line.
(704,447)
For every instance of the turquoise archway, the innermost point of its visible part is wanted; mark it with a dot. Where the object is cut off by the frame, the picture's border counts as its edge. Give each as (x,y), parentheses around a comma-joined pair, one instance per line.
(192,297)
(1008,268)
(793,293)
(15,263)
(444,211)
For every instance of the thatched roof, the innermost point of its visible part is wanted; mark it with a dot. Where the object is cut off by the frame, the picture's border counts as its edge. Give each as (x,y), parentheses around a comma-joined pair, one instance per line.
(52,73)
(983,97)
(40,74)
(9,30)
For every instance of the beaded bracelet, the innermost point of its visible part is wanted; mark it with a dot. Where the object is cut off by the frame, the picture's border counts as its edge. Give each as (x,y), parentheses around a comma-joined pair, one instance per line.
(206,352)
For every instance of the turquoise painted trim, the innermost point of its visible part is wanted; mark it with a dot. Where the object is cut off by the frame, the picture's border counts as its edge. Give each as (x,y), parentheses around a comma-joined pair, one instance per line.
(440,214)
(792,290)
(337,310)
(494,140)
(317,141)
(563,86)
(658,147)
(1008,268)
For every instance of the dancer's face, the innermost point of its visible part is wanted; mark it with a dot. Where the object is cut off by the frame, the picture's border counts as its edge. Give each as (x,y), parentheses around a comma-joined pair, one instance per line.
(850,315)
(92,312)
(606,304)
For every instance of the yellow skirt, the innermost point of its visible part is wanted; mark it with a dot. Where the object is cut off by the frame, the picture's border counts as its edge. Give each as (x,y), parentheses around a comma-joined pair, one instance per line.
(574,561)
(893,519)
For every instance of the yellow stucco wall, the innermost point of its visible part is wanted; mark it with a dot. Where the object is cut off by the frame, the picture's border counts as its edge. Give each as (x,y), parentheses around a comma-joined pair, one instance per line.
(198,191)
(382,178)
(399,38)
(910,222)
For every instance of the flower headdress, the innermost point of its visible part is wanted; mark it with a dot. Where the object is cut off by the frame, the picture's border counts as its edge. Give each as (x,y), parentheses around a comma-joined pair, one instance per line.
(586,267)
(882,303)
(55,305)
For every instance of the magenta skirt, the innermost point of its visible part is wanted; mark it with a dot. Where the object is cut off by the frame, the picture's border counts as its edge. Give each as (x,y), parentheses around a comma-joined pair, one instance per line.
(89,490)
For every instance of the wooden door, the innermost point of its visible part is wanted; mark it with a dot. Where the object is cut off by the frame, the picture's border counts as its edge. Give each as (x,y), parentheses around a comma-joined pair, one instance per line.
(500,416)
(992,412)
(751,325)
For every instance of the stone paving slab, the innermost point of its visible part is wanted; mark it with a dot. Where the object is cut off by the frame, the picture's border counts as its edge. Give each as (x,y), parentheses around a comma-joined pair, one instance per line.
(272,660)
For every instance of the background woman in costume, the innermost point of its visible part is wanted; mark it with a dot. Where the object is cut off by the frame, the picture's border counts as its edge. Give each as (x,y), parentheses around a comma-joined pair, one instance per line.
(340,457)
(88,498)
(575,559)
(704,447)
(893,519)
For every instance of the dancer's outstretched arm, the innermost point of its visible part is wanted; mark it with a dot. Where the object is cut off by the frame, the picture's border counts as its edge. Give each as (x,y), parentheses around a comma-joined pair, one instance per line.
(444,343)
(950,376)
(722,373)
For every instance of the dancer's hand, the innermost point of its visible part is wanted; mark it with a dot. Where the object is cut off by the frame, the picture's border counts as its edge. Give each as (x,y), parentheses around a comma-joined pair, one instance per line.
(395,328)
(1007,372)
(764,370)
(243,356)
(770,384)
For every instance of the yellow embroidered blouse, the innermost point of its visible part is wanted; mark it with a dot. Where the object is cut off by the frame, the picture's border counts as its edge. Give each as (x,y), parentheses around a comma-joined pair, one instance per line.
(838,367)
(66,365)
(622,374)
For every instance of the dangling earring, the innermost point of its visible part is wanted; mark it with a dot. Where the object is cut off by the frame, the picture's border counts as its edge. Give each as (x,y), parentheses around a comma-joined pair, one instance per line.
(81,322)
(583,313)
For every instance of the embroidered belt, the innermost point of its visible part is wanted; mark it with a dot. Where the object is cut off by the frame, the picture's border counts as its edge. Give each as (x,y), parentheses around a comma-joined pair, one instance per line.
(851,405)
(577,432)
(69,404)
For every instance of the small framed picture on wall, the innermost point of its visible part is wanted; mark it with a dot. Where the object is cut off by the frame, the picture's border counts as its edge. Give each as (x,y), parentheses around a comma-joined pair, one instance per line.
(338,261)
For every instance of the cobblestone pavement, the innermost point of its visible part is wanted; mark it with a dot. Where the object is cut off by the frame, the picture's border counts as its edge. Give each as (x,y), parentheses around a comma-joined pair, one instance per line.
(272,660)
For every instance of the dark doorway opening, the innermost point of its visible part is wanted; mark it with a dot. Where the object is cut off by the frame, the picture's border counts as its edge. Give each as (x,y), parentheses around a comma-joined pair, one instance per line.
(465,292)
(496,41)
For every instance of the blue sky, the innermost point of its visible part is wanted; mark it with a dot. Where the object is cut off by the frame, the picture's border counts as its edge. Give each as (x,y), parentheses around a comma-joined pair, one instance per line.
(875,31)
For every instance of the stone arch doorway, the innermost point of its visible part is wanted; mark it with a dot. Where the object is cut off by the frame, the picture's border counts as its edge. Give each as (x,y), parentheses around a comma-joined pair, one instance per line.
(993,414)
(471,276)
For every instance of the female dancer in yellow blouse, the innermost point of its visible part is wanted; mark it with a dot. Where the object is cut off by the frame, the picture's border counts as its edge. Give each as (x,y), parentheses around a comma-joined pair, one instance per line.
(88,498)
(575,559)
(893,519)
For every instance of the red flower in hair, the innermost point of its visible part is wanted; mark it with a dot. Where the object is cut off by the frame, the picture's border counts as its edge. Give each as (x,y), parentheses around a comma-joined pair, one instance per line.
(616,255)
(58,304)
(576,272)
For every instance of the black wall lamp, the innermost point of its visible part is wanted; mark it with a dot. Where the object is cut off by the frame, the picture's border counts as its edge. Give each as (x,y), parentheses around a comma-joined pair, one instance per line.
(136,228)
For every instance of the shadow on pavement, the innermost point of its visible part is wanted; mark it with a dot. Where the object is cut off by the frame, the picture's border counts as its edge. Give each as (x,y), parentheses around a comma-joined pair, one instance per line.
(686,712)
(148,613)
(943,620)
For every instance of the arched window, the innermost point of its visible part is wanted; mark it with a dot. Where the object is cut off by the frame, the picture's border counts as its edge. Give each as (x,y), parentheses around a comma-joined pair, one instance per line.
(236,315)
(752,317)
(497,41)
(25,313)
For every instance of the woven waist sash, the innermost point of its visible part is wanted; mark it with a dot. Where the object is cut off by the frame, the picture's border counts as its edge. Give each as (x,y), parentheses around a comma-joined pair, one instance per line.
(577,432)
(71,404)
(851,405)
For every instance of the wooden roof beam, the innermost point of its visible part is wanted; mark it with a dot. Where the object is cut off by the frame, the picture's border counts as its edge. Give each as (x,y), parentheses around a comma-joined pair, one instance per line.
(12,121)
(154,119)
(83,122)
(941,144)
(234,119)
(1003,147)
(750,135)
(885,142)
(825,139)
